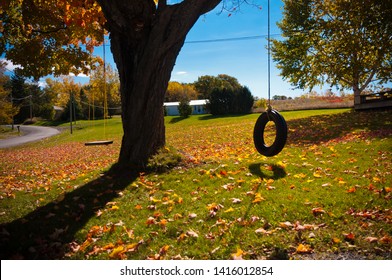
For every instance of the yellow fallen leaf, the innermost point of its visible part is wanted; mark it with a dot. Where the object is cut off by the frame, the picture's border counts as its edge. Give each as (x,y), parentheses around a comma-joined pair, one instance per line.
(114,207)
(231,209)
(300,176)
(237,255)
(116,252)
(376,179)
(182,237)
(286,225)
(86,243)
(304,249)
(258,198)
(317,175)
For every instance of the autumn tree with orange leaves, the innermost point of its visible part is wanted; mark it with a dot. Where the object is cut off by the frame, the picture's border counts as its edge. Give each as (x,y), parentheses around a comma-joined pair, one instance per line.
(58,36)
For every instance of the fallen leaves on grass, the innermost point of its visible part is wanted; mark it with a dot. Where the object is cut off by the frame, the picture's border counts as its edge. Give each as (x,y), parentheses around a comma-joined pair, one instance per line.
(304,249)
(238,255)
(42,168)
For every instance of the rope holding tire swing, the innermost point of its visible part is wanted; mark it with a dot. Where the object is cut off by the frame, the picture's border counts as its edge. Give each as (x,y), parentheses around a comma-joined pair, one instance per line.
(270,115)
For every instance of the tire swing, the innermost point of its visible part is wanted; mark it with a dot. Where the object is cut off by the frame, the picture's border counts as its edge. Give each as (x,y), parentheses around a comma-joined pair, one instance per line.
(281,133)
(270,115)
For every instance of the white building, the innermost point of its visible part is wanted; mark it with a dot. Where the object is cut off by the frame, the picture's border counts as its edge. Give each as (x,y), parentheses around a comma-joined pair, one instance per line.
(198,107)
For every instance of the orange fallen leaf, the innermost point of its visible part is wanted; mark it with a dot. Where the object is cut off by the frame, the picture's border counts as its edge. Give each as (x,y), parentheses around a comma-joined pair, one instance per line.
(318,211)
(349,236)
(150,221)
(182,237)
(352,190)
(336,240)
(304,249)
(163,222)
(164,250)
(386,239)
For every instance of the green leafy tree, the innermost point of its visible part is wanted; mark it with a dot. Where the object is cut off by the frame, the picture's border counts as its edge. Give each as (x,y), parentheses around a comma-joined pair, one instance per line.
(220,100)
(184,108)
(21,97)
(230,101)
(243,101)
(74,108)
(346,44)
(205,85)
(104,89)
(7,110)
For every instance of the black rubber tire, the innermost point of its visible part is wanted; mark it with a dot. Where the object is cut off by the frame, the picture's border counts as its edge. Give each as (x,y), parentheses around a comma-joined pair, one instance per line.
(281,133)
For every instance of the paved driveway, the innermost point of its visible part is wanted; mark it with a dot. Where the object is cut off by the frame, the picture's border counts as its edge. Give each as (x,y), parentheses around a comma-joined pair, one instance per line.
(30,134)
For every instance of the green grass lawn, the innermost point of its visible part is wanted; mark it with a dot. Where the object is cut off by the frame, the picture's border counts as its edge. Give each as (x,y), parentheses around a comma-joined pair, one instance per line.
(326,195)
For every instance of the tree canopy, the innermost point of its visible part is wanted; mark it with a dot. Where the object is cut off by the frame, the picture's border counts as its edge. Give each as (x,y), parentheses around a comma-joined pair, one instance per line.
(52,36)
(347,44)
(177,91)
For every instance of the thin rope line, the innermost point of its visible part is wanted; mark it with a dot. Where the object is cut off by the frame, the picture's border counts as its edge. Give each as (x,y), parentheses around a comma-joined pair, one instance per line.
(269,56)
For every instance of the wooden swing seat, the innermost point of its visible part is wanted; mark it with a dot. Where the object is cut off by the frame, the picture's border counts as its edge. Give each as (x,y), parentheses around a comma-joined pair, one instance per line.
(99,143)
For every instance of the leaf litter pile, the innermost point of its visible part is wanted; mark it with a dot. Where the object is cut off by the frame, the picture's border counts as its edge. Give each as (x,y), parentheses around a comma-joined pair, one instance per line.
(327,195)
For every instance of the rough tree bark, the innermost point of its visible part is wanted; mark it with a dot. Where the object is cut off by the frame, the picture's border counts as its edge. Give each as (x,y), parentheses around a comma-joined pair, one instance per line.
(145,41)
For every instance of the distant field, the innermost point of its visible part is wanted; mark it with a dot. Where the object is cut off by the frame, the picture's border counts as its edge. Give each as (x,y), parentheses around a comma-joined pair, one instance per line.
(312,103)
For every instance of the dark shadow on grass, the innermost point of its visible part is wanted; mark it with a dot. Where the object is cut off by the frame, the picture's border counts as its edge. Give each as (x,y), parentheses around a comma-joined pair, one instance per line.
(323,128)
(278,172)
(46,232)
(177,119)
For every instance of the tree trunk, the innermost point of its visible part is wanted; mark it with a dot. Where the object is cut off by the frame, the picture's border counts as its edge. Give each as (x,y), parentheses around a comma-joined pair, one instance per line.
(145,42)
(357,94)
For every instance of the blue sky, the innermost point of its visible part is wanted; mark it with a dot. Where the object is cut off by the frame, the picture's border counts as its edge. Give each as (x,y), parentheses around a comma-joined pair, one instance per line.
(245,60)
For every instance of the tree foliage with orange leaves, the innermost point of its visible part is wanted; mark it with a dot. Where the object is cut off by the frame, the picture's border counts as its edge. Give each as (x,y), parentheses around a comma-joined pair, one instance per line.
(50,36)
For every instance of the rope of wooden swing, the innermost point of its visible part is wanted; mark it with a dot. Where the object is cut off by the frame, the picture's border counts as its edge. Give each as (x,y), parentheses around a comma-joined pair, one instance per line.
(105,102)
